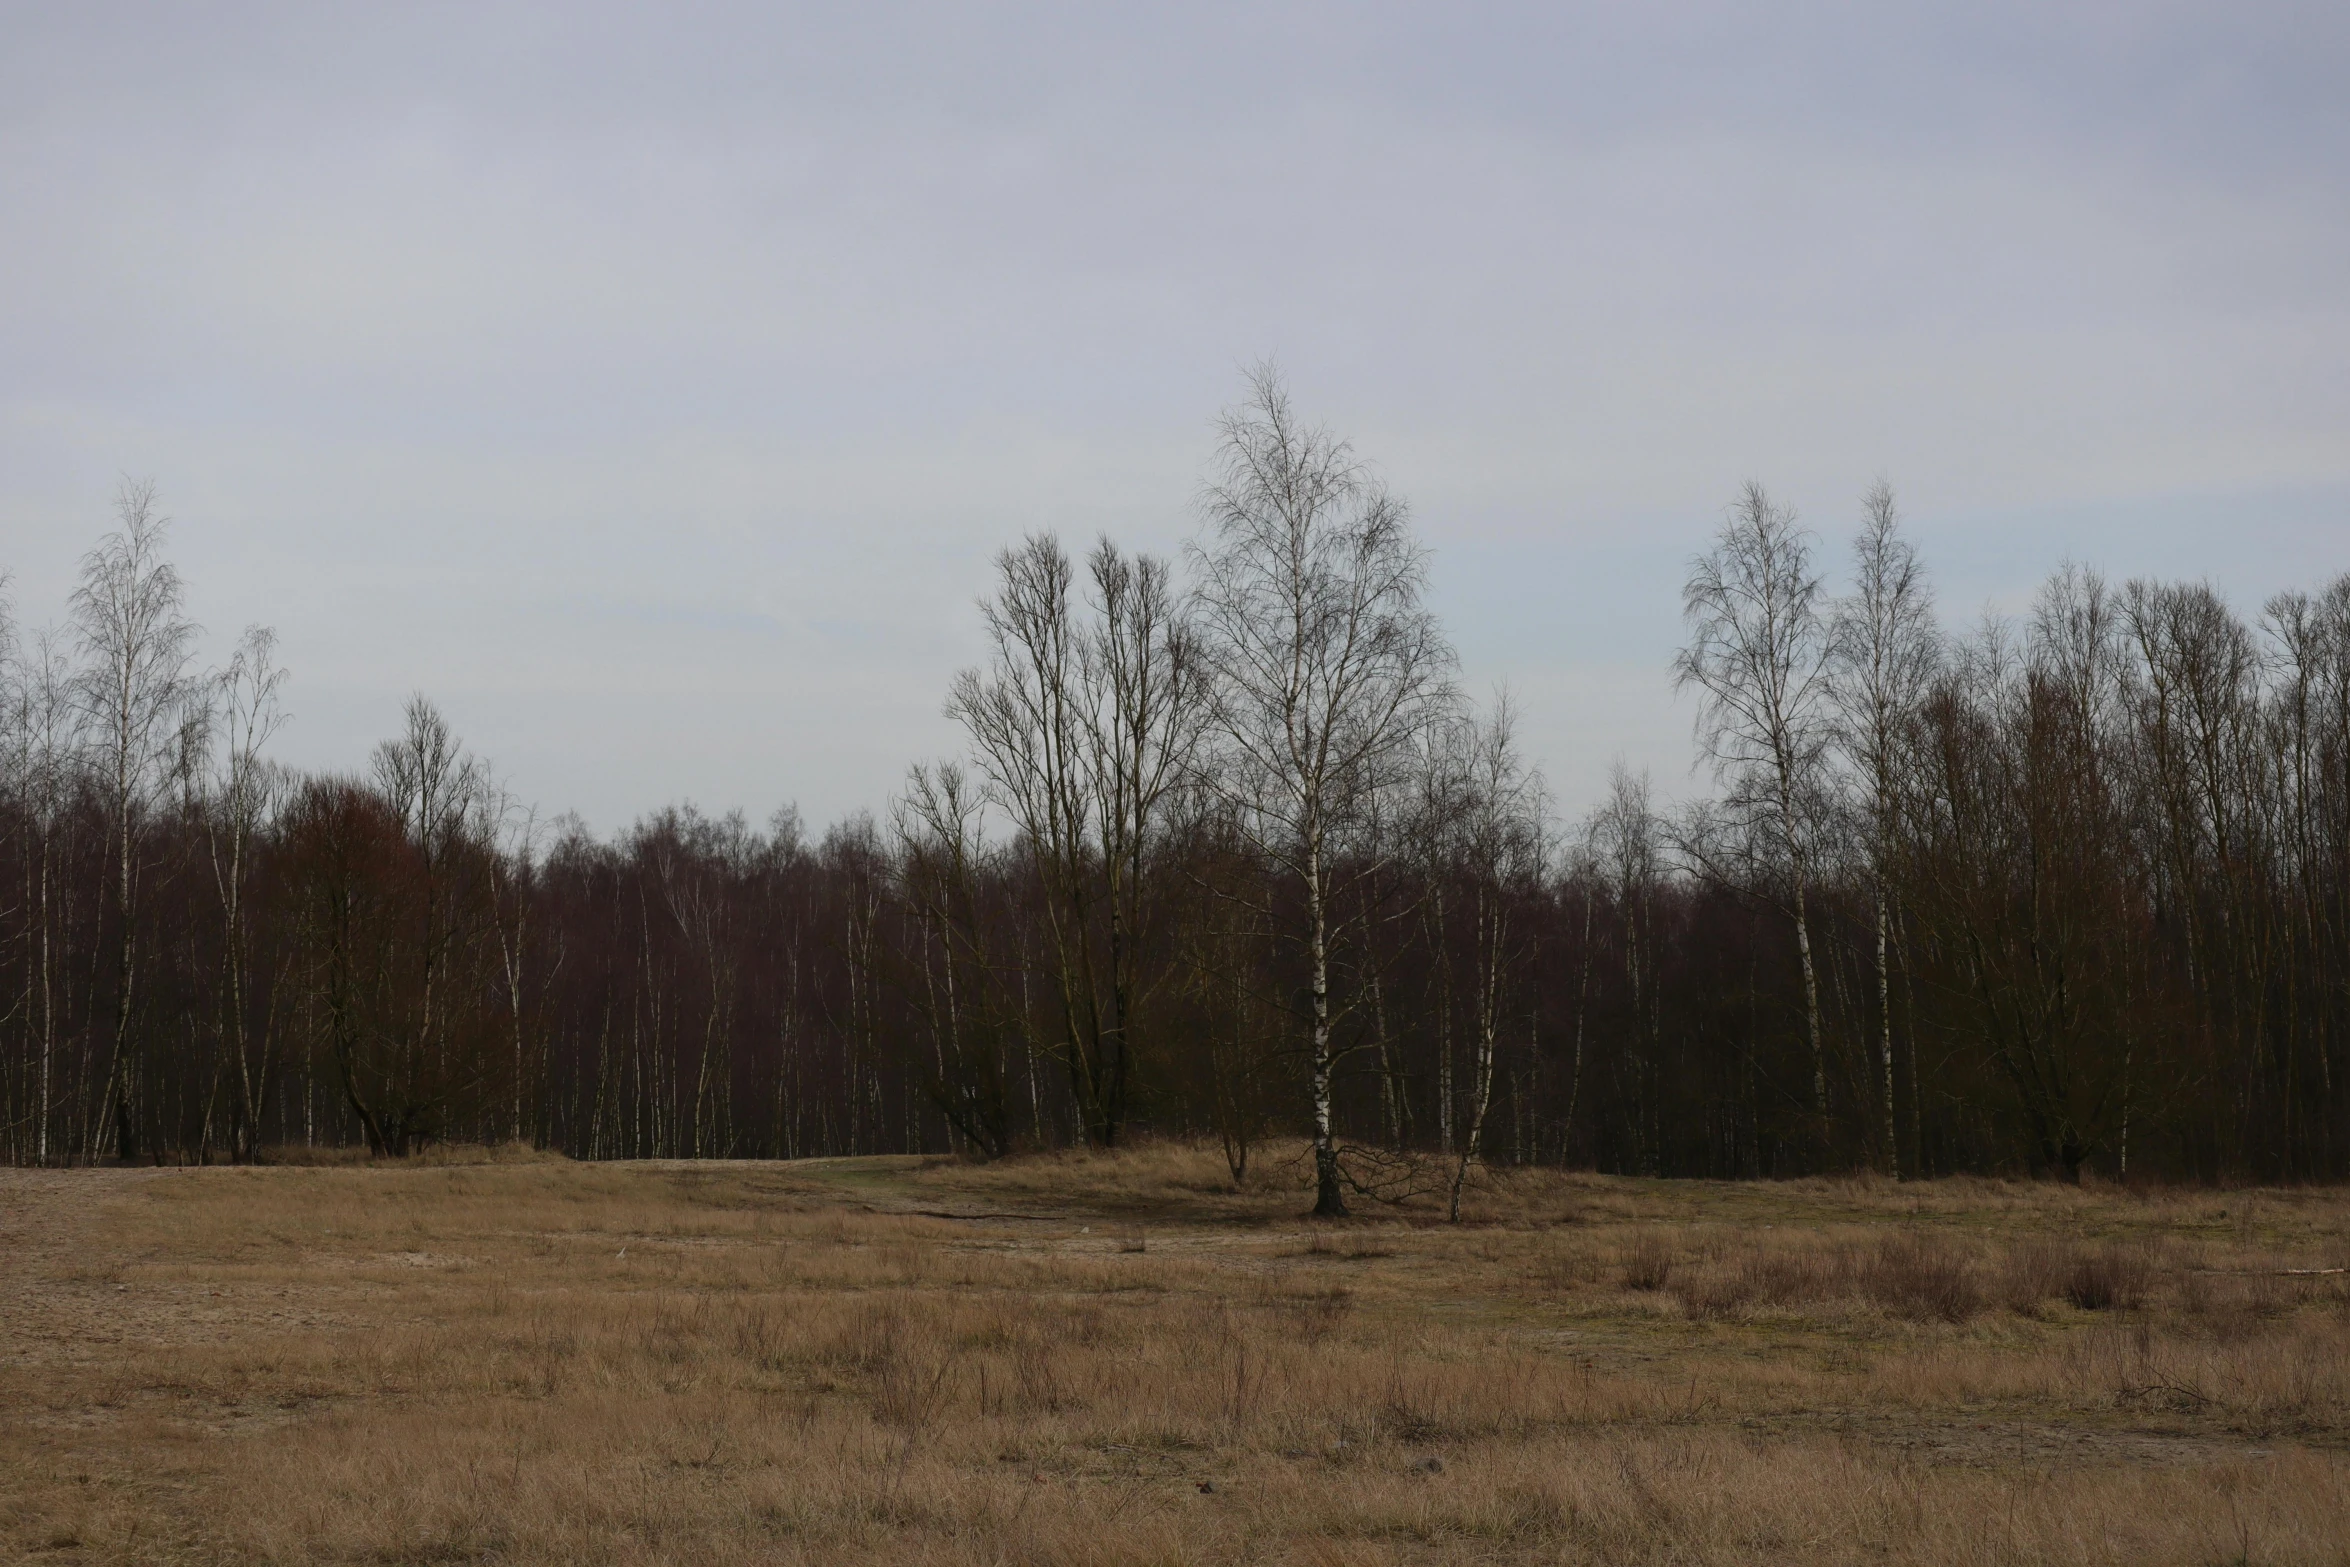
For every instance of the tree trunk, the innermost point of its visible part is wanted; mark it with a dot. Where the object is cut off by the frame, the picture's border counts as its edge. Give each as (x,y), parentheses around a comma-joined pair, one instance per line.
(1329,1198)
(1811,1008)
(1885,1039)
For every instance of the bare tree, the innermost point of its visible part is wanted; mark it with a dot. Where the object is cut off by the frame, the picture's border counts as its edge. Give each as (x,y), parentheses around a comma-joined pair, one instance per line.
(1431,821)
(247,712)
(435,792)
(2023,867)
(1580,880)
(1757,653)
(43,760)
(941,869)
(514,831)
(1221,938)
(694,860)
(136,643)
(2310,720)
(1327,666)
(1885,651)
(1501,853)
(1623,850)
(17,688)
(2194,688)
(1080,728)
(1144,688)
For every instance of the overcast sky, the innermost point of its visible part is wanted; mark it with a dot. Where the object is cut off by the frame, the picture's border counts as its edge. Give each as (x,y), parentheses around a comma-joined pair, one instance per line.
(651,386)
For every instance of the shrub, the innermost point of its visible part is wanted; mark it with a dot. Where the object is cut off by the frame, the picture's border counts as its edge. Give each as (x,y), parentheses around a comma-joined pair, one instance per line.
(2110,1278)
(2034,1272)
(1921,1277)
(1646,1264)
(1762,1278)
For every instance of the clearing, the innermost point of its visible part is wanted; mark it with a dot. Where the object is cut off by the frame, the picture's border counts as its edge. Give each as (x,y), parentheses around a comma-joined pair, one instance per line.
(1124,1359)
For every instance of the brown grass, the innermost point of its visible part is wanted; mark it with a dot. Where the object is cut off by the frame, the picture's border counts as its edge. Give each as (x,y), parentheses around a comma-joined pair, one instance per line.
(1080,1359)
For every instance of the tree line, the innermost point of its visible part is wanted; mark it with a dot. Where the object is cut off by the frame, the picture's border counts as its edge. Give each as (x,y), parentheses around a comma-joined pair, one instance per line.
(1225,851)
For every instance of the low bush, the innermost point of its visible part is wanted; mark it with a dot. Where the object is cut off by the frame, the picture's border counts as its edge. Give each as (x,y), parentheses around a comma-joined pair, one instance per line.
(1647,1263)
(1922,1277)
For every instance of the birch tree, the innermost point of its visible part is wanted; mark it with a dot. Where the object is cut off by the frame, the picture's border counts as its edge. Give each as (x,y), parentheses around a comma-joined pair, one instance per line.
(44,762)
(1885,651)
(1757,654)
(513,831)
(136,644)
(1327,665)
(247,713)
(1501,854)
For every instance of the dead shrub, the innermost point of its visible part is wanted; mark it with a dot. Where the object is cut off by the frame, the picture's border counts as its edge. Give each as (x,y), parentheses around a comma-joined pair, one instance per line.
(1788,1278)
(1411,1411)
(1756,1278)
(2033,1273)
(760,1339)
(2231,1307)
(1558,1269)
(2143,1372)
(1647,1263)
(911,1388)
(869,1341)
(546,1350)
(907,1364)
(1715,1295)
(2109,1278)
(1317,1315)
(1920,1277)
(1036,1374)
(673,1335)
(1713,1285)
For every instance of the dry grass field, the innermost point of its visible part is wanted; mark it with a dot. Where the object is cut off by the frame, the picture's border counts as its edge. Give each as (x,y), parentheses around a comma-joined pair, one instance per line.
(1124,1360)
